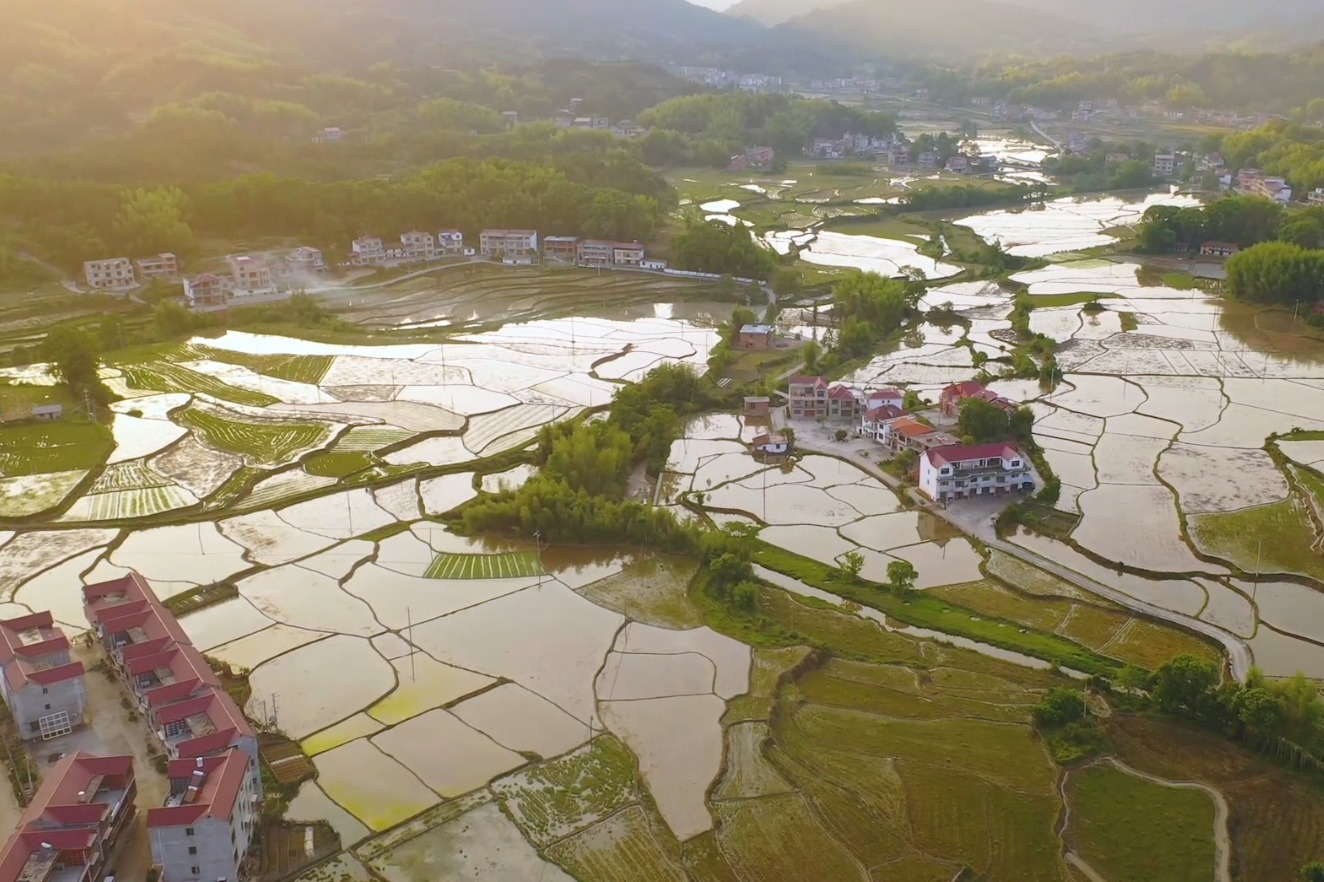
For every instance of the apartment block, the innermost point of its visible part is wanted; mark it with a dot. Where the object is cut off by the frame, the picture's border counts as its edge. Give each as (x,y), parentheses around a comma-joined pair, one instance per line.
(43,687)
(110,274)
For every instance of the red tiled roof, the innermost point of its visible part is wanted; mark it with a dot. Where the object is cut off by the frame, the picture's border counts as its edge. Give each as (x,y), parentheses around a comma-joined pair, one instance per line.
(842,392)
(58,674)
(967,389)
(957,453)
(886,412)
(760,440)
(222,782)
(912,429)
(886,392)
(805,380)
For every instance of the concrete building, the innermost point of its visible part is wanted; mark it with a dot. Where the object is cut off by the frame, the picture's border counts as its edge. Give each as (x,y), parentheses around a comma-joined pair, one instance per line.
(958,472)
(1316,196)
(203,831)
(198,725)
(1165,164)
(509,244)
(1219,249)
(206,291)
(596,252)
(950,399)
(43,687)
(627,254)
(48,412)
(874,421)
(766,445)
(110,274)
(450,243)
(758,406)
(367,251)
(888,395)
(251,274)
(755,337)
(160,266)
(73,822)
(560,250)
(844,402)
(418,245)
(305,260)
(808,396)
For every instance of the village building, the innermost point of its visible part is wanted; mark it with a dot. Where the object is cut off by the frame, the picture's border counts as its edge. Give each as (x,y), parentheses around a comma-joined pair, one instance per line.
(875,420)
(252,274)
(206,291)
(1316,196)
(887,395)
(418,245)
(627,254)
(450,243)
(509,244)
(48,412)
(367,251)
(43,686)
(114,273)
(1219,249)
(560,250)
(305,260)
(595,252)
(808,397)
(908,433)
(68,831)
(755,337)
(767,445)
(927,159)
(758,406)
(844,402)
(950,399)
(209,818)
(158,266)
(1165,164)
(191,715)
(957,472)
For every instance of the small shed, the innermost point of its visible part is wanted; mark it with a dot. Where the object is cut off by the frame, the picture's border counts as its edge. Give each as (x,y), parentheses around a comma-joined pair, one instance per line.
(757,405)
(48,412)
(755,337)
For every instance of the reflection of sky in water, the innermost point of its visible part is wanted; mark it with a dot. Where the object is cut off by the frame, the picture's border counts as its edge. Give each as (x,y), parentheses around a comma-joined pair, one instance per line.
(869,253)
(1064,224)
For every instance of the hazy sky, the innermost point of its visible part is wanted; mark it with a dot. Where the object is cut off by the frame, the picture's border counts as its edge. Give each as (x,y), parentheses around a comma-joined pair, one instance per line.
(714,4)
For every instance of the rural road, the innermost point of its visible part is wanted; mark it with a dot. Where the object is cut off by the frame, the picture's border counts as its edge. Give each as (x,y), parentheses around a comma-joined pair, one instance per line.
(1238,651)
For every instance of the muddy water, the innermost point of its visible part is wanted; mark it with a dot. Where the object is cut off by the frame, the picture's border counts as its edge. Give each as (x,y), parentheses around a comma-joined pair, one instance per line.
(468,761)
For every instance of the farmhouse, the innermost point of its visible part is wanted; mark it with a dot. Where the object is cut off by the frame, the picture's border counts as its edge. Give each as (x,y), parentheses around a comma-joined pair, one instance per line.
(506,244)
(1219,249)
(305,259)
(808,397)
(367,251)
(418,245)
(595,252)
(874,421)
(115,272)
(74,821)
(48,412)
(886,396)
(158,266)
(844,402)
(450,243)
(209,817)
(766,445)
(908,433)
(627,254)
(206,290)
(755,337)
(959,472)
(43,687)
(953,395)
(560,250)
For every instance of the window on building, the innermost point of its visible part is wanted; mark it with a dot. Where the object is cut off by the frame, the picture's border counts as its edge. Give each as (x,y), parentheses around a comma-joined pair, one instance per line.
(195,870)
(188,831)
(192,849)
(45,691)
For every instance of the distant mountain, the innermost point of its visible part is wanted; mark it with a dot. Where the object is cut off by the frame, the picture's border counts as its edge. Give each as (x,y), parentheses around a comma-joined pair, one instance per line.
(958,29)
(775,12)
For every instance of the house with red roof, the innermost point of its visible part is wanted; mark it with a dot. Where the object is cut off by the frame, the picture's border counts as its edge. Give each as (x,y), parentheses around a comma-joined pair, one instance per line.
(958,472)
(43,687)
(808,397)
(953,395)
(73,822)
(211,815)
(874,421)
(844,402)
(886,396)
(766,445)
(908,433)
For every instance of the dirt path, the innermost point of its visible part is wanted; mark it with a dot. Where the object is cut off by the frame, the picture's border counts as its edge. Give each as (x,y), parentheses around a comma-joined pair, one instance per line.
(1222,842)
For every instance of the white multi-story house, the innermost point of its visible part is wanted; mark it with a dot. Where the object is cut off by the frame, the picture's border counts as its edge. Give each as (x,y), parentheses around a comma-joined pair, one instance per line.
(627,254)
(112,273)
(251,274)
(875,421)
(305,260)
(509,244)
(957,472)
(203,832)
(450,243)
(418,245)
(595,252)
(1165,164)
(1316,196)
(43,687)
(207,291)
(367,251)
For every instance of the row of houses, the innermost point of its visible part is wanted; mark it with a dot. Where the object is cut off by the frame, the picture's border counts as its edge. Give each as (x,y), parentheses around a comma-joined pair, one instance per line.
(121,274)
(212,812)
(514,247)
(1254,182)
(69,830)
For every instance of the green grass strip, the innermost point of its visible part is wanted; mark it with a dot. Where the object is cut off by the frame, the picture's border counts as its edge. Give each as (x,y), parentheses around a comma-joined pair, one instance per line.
(926,611)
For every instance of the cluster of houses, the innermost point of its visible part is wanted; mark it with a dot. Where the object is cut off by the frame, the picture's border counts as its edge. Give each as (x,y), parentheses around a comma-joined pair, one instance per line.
(511,247)
(754,158)
(1254,182)
(69,830)
(945,469)
(253,278)
(121,274)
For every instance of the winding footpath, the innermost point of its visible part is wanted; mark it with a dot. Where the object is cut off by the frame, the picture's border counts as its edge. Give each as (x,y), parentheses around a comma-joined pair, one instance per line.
(1238,651)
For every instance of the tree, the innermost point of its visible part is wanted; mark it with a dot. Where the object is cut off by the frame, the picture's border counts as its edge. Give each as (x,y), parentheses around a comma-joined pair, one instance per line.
(787,282)
(852,562)
(788,434)
(840,435)
(983,421)
(901,576)
(152,221)
(1184,685)
(73,355)
(1313,871)
(1059,707)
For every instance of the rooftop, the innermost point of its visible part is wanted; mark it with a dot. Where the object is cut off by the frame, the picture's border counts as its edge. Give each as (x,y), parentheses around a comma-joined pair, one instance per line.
(912,428)
(959,454)
(205,787)
(805,380)
(33,650)
(756,329)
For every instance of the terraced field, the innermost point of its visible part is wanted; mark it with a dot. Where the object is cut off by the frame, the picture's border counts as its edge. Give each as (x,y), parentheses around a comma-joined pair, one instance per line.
(53,447)
(510,565)
(159,376)
(295,368)
(261,442)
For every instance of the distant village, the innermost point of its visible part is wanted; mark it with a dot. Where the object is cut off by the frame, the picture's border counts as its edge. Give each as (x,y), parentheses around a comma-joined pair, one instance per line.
(250,279)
